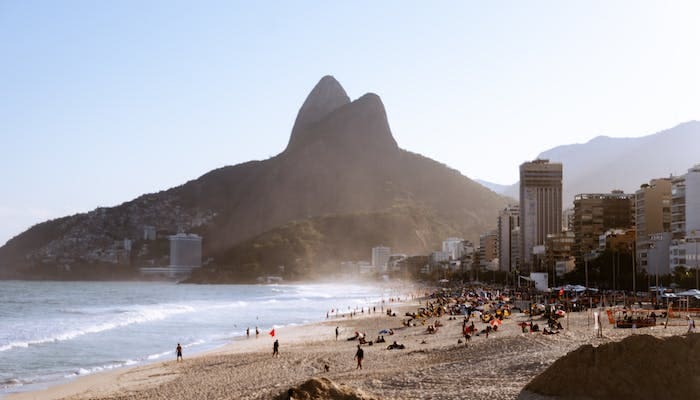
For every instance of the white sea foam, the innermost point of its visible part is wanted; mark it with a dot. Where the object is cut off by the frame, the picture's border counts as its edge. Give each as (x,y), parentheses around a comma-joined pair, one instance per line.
(139,314)
(78,323)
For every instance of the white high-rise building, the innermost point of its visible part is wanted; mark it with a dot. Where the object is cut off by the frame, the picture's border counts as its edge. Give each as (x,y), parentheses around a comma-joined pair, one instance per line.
(185,250)
(692,201)
(380,257)
(508,219)
(454,247)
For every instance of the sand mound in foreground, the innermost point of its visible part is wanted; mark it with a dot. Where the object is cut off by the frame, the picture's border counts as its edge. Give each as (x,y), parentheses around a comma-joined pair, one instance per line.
(639,367)
(324,389)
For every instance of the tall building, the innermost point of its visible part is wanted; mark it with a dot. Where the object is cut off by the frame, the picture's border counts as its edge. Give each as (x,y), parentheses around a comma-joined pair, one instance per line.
(508,219)
(488,249)
(653,218)
(678,207)
(540,206)
(692,201)
(515,249)
(597,213)
(685,220)
(185,250)
(692,217)
(454,247)
(380,257)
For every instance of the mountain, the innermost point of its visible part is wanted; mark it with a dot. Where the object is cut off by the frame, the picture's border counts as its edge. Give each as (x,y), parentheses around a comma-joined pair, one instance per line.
(342,165)
(495,187)
(504,190)
(604,163)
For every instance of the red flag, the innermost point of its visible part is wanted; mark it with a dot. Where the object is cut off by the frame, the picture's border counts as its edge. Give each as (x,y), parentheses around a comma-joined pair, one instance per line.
(272,332)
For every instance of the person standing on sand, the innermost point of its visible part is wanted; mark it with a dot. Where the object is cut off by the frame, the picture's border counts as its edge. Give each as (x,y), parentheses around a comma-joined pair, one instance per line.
(247,332)
(597,325)
(336,333)
(691,324)
(359,355)
(178,352)
(257,332)
(276,349)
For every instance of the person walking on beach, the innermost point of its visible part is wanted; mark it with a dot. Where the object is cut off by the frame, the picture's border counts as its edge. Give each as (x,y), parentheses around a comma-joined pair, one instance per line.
(691,324)
(276,349)
(178,351)
(247,332)
(257,332)
(359,355)
(337,332)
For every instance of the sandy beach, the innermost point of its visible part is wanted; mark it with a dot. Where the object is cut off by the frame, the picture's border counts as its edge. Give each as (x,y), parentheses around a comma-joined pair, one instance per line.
(432,366)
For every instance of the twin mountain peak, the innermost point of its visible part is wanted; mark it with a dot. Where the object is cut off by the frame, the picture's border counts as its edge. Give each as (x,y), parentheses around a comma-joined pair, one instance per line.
(328,109)
(341,187)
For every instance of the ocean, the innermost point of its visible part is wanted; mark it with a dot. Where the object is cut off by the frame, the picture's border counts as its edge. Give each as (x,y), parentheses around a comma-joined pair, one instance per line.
(51,332)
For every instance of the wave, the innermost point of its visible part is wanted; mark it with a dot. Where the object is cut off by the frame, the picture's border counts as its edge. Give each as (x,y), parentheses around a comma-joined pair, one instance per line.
(127,363)
(135,316)
(12,382)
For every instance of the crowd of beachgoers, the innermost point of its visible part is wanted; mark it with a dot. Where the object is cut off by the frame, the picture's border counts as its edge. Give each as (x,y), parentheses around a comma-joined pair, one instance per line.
(472,342)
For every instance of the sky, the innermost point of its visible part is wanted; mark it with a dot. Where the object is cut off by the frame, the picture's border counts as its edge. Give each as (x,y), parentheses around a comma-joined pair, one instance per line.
(101,102)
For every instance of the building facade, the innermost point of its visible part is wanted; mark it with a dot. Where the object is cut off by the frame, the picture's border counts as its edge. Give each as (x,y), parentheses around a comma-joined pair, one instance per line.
(559,253)
(380,257)
(540,206)
(508,220)
(454,247)
(597,213)
(692,201)
(515,249)
(678,207)
(488,250)
(185,250)
(652,217)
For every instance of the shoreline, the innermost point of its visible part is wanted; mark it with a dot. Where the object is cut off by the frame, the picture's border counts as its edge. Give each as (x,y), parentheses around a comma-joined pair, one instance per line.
(432,365)
(74,386)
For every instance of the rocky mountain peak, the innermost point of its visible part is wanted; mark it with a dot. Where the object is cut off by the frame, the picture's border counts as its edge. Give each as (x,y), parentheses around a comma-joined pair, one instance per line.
(328,95)
(329,120)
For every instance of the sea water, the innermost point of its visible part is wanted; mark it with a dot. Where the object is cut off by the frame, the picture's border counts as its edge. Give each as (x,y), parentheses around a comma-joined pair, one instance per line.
(51,332)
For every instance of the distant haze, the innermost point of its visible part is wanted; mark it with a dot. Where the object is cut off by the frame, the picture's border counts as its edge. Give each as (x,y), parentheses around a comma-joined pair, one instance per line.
(605,164)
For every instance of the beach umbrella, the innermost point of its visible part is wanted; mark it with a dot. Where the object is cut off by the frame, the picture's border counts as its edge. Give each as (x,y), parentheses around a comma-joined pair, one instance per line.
(495,322)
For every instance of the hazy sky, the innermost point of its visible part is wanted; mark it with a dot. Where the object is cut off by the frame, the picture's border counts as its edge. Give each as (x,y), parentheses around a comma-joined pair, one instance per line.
(103,101)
